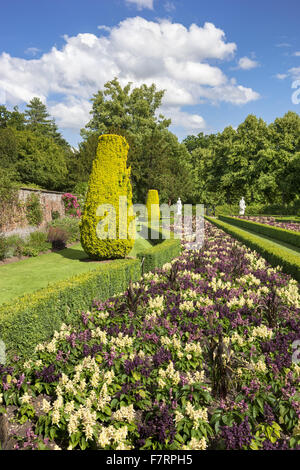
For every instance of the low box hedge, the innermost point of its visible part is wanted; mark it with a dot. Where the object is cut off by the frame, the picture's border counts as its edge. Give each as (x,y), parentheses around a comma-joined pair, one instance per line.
(281,234)
(292,220)
(33,318)
(276,256)
(160,254)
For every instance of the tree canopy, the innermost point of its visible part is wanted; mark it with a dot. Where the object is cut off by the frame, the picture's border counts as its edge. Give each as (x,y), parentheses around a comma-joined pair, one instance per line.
(156,157)
(257,161)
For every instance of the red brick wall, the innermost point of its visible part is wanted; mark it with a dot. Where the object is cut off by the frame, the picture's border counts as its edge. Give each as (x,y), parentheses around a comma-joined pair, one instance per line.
(50,201)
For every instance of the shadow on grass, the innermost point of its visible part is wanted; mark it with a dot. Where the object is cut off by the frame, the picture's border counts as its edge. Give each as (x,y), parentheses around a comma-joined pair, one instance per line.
(79,255)
(75,253)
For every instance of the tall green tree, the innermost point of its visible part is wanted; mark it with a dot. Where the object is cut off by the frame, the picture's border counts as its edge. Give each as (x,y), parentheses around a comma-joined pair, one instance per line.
(40,161)
(38,121)
(8,148)
(156,157)
(120,108)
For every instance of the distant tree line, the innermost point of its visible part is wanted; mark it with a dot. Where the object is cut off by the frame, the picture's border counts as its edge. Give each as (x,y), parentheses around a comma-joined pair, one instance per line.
(258,161)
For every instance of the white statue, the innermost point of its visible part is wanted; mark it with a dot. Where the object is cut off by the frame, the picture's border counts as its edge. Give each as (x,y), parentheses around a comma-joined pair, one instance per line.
(179,206)
(242,206)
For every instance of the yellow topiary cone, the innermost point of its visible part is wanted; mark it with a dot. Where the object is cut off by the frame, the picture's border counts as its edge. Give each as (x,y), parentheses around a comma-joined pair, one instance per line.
(152,205)
(109,180)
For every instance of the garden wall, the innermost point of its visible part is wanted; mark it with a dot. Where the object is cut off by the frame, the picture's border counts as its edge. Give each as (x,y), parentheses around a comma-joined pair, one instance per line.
(18,223)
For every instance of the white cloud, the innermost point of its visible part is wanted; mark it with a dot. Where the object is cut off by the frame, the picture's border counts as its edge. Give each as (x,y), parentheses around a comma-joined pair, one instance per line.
(140,4)
(230,93)
(168,54)
(281,76)
(297,53)
(246,64)
(295,72)
(71,114)
(169,6)
(283,44)
(191,122)
(33,51)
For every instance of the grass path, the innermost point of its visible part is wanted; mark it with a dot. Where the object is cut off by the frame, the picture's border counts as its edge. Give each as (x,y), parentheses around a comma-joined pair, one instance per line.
(29,275)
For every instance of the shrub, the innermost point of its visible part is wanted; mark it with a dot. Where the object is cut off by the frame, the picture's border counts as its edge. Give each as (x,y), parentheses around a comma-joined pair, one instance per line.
(259,209)
(69,225)
(34,212)
(3,247)
(55,215)
(8,196)
(72,206)
(80,190)
(152,205)
(15,245)
(109,181)
(58,237)
(160,254)
(30,251)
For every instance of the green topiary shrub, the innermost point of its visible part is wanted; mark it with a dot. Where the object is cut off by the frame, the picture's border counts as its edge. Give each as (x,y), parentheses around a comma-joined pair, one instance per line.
(100,237)
(152,204)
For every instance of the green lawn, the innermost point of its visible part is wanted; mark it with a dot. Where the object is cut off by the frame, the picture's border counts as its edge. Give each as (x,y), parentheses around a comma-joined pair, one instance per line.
(31,274)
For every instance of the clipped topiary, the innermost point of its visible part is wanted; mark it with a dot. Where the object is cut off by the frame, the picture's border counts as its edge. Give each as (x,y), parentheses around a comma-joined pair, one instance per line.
(107,229)
(152,205)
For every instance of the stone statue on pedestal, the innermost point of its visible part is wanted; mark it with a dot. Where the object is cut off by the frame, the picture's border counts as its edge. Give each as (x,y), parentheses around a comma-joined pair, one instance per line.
(242,206)
(179,206)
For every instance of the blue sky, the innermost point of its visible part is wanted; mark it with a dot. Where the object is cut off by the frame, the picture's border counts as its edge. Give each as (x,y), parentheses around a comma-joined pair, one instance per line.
(218,60)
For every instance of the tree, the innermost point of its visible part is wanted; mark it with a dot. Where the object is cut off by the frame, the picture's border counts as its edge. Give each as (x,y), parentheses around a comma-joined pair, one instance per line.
(40,161)
(80,161)
(156,157)
(116,107)
(13,118)
(8,148)
(38,121)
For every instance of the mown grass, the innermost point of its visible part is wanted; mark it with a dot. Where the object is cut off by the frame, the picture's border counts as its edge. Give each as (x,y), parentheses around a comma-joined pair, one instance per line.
(29,275)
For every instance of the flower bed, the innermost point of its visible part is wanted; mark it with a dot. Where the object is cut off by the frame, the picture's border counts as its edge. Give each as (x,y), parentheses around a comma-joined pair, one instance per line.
(295,226)
(198,355)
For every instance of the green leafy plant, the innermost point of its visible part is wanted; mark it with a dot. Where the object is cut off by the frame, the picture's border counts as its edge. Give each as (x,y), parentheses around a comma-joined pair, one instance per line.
(15,245)
(3,247)
(35,244)
(55,215)
(34,211)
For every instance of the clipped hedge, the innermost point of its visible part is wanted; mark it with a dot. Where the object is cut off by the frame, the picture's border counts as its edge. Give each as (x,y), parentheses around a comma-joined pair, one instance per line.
(160,254)
(276,256)
(103,235)
(291,220)
(152,204)
(33,318)
(281,234)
